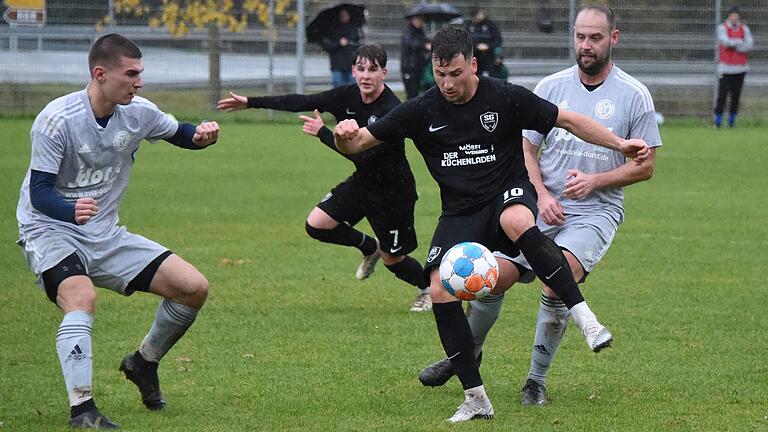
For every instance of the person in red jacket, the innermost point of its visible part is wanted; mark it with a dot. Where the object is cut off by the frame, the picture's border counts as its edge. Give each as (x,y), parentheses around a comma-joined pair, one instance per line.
(734,43)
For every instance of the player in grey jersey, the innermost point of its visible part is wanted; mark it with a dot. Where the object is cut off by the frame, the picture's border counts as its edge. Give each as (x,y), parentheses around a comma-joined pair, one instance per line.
(579,185)
(82,154)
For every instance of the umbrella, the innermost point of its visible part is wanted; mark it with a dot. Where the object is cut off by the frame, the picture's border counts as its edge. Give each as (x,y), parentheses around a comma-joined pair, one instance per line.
(328,18)
(434,12)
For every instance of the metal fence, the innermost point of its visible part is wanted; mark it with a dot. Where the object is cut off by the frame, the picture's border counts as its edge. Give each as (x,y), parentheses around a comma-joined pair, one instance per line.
(668,45)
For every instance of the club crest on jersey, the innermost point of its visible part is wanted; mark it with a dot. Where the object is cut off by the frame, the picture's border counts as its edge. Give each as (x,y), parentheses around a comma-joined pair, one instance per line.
(121,140)
(433,253)
(604,109)
(372,119)
(489,120)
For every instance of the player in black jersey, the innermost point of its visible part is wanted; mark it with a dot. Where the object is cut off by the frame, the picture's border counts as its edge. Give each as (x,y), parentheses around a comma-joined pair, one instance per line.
(382,189)
(469,131)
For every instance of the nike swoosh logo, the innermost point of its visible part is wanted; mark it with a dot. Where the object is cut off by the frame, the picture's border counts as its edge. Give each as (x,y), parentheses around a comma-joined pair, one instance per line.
(435,129)
(553,273)
(453,356)
(350,112)
(395,249)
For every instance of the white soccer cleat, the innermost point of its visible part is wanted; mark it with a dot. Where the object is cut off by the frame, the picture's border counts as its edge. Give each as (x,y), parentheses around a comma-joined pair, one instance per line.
(423,303)
(476,406)
(369,264)
(597,336)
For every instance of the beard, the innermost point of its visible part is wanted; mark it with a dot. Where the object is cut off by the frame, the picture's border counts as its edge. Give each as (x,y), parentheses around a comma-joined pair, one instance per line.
(597,64)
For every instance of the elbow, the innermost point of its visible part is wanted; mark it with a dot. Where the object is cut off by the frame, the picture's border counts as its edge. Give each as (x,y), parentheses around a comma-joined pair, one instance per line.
(646,173)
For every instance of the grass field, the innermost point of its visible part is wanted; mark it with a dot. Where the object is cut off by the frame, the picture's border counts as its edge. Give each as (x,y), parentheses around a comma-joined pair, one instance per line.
(290,341)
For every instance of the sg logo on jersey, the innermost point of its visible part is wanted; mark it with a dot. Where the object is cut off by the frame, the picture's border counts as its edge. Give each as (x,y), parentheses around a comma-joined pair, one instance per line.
(489,121)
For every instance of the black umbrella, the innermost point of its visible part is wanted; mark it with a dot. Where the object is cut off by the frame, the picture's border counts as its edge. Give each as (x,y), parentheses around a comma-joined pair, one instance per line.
(328,18)
(434,12)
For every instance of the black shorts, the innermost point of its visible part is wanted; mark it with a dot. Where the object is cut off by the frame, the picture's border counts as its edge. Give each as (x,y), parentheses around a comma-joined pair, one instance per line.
(390,218)
(481,226)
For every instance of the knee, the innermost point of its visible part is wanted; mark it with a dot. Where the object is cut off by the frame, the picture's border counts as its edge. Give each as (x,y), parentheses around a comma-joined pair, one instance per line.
(516,220)
(199,288)
(390,260)
(76,293)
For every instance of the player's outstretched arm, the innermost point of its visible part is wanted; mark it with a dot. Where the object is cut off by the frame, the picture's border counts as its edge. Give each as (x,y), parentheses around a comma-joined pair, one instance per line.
(234,102)
(351,139)
(593,132)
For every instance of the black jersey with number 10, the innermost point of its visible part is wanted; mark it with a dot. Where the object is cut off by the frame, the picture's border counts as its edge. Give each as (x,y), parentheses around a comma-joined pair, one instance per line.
(473,150)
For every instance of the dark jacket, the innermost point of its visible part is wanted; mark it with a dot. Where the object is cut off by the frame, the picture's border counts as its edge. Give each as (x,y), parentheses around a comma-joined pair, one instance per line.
(413,55)
(485,32)
(342,57)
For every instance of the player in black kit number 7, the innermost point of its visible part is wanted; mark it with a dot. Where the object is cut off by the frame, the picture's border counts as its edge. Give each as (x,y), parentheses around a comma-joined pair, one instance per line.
(469,131)
(382,188)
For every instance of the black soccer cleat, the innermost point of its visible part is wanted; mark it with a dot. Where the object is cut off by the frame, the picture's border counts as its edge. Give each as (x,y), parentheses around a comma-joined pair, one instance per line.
(144,375)
(438,373)
(92,420)
(534,394)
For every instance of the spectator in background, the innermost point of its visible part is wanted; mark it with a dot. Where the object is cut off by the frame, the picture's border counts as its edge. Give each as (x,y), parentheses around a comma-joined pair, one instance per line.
(498,70)
(486,39)
(414,53)
(734,43)
(342,43)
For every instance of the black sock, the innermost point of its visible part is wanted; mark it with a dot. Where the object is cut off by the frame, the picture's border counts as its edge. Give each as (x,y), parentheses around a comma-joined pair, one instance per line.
(86,406)
(344,235)
(409,270)
(458,344)
(549,264)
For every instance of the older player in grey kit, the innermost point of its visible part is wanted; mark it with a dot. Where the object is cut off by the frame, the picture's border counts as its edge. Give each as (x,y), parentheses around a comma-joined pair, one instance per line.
(579,185)
(83,145)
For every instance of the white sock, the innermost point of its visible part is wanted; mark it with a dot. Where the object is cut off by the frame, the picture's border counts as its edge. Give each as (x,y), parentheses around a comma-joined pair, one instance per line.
(550,328)
(477,391)
(482,316)
(582,315)
(171,322)
(73,345)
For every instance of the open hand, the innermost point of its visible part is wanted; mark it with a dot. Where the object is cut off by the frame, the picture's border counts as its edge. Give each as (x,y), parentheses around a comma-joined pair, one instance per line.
(234,102)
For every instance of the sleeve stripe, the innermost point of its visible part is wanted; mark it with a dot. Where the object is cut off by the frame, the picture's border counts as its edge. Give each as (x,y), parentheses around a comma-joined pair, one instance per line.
(58,117)
(645,95)
(563,74)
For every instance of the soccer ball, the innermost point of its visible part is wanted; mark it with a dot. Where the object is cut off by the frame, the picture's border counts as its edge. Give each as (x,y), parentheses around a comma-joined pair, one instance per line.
(469,271)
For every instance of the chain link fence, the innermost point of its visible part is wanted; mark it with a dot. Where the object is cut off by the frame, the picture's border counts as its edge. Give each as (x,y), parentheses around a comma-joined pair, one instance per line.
(668,45)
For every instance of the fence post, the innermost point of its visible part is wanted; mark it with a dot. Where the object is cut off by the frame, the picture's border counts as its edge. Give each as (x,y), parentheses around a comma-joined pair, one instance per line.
(300,47)
(214,63)
(716,56)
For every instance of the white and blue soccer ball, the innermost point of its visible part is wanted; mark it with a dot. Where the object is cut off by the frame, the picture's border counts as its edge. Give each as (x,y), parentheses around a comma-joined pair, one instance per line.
(469,271)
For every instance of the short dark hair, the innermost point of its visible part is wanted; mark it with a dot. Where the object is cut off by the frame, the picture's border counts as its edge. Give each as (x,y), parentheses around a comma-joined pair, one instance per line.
(449,42)
(109,49)
(605,10)
(733,9)
(373,53)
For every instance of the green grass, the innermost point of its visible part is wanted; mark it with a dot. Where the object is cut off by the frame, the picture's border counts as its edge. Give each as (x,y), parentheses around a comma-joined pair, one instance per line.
(290,341)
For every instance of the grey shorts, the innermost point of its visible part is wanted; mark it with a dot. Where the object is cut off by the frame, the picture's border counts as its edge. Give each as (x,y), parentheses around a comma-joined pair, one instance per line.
(587,237)
(112,261)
